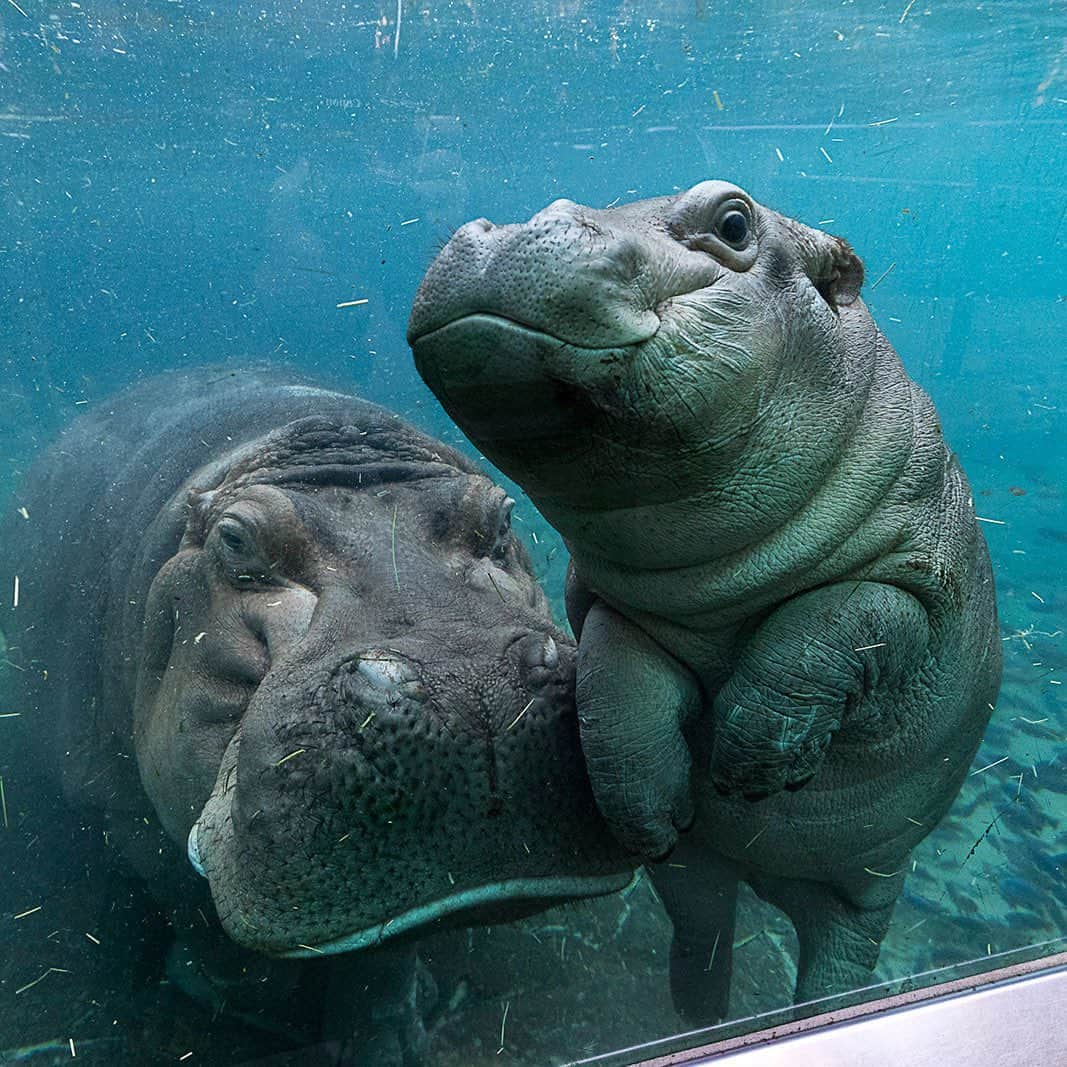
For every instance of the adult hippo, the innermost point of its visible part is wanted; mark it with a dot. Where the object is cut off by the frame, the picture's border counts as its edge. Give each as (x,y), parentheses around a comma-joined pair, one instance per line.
(777,576)
(280,628)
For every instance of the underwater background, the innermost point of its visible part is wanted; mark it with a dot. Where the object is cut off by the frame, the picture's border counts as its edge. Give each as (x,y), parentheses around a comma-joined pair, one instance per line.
(181,184)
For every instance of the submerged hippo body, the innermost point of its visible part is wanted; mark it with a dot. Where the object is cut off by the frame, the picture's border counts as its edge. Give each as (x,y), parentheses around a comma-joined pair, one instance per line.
(279,628)
(786,610)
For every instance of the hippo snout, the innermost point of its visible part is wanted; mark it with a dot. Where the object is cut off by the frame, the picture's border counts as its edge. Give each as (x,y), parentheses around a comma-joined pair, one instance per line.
(420,762)
(521,277)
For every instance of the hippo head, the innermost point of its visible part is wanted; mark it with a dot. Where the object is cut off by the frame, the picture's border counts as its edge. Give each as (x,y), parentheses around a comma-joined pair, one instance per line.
(353,708)
(628,355)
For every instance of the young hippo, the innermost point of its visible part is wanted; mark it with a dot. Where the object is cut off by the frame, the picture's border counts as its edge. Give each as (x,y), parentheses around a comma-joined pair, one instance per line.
(785,606)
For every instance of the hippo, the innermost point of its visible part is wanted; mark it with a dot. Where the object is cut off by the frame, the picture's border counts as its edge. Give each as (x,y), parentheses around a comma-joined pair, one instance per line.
(273,635)
(787,625)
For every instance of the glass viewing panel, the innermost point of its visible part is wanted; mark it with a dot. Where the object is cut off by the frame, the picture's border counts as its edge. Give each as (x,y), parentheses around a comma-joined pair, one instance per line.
(277,635)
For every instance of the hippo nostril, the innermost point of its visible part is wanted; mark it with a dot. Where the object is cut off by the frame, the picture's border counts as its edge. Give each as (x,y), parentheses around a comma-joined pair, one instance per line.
(538,660)
(550,656)
(540,652)
(474,230)
(558,209)
(380,678)
(384,672)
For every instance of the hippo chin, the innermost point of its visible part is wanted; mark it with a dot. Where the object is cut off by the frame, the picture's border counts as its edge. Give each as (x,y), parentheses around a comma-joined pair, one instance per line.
(786,609)
(279,630)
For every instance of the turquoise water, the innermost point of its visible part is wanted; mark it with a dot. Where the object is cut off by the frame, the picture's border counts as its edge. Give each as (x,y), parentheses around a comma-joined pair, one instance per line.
(181,186)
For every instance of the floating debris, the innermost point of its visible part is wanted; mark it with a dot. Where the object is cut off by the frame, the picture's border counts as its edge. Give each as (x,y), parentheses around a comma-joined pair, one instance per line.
(492,582)
(885,274)
(521,713)
(714,951)
(755,838)
(745,940)
(990,766)
(51,970)
(292,755)
(396,573)
(503,1023)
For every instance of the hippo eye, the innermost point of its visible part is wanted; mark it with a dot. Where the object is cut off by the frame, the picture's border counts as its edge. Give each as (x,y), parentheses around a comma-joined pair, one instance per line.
(733,227)
(234,538)
(720,225)
(239,552)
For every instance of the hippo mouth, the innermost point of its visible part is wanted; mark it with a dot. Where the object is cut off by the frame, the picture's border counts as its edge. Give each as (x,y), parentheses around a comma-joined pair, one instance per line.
(368,840)
(494,902)
(487,319)
(501,901)
(525,381)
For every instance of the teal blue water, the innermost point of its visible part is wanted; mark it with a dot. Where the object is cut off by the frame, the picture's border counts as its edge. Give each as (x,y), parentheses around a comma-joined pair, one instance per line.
(181,185)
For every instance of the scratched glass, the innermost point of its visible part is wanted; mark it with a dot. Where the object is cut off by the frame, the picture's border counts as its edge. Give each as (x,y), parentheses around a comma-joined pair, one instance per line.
(182,187)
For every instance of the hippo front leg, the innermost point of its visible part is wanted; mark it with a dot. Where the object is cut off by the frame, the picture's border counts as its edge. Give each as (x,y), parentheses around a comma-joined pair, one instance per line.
(823,658)
(633,701)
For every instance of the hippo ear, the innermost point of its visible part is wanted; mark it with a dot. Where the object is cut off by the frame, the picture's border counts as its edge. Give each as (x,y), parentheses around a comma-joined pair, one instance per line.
(835,270)
(845,279)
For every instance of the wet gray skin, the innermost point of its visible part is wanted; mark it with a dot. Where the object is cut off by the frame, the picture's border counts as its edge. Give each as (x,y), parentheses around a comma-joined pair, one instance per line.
(302,635)
(400,708)
(786,611)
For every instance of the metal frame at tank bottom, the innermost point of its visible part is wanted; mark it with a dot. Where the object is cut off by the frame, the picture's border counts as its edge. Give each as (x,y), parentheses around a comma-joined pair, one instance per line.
(1009,1016)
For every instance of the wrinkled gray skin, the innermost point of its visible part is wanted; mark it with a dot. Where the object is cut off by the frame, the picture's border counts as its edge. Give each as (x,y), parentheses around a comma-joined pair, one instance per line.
(777,575)
(281,627)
